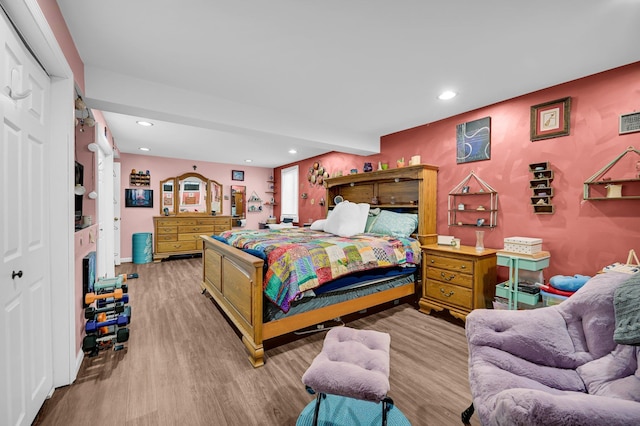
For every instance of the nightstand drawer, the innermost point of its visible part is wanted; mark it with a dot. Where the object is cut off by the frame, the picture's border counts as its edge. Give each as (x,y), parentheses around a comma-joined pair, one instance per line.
(450,263)
(451,277)
(450,294)
(458,279)
(167,237)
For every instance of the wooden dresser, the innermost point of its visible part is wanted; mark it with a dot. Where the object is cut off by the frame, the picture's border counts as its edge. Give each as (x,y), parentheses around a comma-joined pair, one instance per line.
(457,279)
(176,235)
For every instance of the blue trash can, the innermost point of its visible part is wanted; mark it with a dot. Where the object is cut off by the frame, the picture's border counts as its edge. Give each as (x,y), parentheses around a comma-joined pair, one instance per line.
(142,247)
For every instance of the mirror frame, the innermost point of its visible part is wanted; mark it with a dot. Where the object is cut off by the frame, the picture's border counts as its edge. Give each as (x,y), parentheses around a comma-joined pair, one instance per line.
(209,194)
(244,201)
(172,210)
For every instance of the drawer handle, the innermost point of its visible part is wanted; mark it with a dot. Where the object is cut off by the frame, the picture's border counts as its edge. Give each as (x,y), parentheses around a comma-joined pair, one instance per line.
(449,278)
(433,261)
(463,266)
(446,294)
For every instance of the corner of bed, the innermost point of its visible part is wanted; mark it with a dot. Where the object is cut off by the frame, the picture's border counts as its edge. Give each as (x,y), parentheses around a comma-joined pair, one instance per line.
(235,279)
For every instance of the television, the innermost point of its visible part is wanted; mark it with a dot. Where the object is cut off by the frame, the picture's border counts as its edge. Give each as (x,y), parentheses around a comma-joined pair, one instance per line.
(138,198)
(79,180)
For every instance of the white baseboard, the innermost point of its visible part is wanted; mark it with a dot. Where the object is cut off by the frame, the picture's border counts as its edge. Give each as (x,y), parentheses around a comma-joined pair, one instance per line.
(79,359)
(126,259)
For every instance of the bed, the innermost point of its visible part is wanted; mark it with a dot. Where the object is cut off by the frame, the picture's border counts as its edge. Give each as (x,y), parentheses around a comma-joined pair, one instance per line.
(236,279)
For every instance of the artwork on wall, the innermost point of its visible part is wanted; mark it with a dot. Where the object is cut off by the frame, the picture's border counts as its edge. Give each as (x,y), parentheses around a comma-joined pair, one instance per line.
(629,123)
(237,175)
(317,174)
(138,198)
(473,141)
(550,119)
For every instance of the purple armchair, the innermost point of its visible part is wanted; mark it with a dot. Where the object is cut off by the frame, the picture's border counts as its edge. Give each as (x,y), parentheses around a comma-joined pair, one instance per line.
(557,365)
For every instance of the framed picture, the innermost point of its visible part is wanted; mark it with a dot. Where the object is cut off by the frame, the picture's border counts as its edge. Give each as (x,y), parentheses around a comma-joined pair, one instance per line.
(629,123)
(138,198)
(473,141)
(550,119)
(237,175)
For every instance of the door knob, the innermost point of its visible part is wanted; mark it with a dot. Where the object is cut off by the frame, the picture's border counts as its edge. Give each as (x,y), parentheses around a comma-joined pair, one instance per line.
(15,274)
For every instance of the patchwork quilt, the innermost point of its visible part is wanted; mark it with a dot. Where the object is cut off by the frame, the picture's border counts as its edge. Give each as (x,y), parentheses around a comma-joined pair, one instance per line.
(300,259)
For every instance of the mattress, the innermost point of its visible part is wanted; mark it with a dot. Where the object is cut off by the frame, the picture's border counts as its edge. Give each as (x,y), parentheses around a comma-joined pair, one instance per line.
(350,290)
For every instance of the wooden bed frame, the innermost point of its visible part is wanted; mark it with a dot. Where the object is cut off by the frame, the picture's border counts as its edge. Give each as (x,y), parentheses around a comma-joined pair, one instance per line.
(233,278)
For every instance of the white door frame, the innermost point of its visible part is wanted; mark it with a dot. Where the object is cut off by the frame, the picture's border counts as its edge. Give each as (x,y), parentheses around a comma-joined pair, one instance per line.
(35,29)
(104,168)
(116,213)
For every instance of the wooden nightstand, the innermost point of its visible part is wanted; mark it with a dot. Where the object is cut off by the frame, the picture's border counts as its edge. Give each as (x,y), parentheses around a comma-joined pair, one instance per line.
(457,279)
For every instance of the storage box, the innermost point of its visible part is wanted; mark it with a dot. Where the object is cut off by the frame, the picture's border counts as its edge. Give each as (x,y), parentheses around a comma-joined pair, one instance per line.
(503,290)
(523,245)
(550,299)
(445,240)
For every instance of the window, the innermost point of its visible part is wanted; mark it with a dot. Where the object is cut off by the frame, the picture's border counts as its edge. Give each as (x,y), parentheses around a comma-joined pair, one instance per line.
(289,199)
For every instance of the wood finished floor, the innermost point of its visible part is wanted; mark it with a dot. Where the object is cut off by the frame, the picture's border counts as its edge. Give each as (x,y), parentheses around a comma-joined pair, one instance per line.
(185,365)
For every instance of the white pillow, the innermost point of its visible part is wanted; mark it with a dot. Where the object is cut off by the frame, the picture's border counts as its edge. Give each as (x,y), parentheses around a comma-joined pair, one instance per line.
(347,219)
(318,225)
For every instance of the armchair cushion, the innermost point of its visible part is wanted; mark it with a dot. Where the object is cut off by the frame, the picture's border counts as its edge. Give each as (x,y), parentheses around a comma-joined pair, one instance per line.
(554,365)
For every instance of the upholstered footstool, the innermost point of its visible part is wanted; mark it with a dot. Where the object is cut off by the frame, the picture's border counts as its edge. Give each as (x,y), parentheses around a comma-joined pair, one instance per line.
(351,376)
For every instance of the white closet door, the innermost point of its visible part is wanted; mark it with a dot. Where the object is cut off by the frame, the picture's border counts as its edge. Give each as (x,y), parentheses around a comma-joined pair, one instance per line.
(25,285)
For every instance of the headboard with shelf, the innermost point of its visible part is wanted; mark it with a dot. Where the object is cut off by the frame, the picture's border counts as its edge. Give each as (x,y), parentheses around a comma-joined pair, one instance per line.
(409,189)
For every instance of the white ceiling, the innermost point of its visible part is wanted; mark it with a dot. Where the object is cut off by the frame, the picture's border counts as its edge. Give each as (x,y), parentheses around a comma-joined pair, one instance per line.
(226,81)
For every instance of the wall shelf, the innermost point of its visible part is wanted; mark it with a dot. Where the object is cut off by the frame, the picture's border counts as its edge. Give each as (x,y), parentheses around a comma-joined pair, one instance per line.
(478,208)
(597,187)
(136,179)
(541,188)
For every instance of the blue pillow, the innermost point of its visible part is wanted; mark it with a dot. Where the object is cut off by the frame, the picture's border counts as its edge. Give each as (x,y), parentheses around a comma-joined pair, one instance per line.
(219,238)
(395,224)
(256,253)
(565,283)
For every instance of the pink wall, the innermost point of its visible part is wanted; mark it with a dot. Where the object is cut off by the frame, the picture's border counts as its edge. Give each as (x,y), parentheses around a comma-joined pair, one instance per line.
(54,17)
(135,220)
(582,236)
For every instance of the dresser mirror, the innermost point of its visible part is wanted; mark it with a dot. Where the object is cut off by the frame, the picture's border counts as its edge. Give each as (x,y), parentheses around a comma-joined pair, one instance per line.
(190,194)
(238,203)
(167,204)
(216,197)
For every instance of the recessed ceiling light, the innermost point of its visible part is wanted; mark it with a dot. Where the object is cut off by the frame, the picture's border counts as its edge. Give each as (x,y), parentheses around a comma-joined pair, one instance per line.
(446,95)
(248,160)
(143,148)
(293,151)
(144,123)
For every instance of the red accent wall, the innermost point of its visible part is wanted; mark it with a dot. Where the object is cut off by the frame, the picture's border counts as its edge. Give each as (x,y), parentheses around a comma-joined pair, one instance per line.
(582,236)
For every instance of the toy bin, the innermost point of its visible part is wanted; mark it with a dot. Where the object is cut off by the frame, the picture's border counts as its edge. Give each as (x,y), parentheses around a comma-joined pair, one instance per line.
(550,299)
